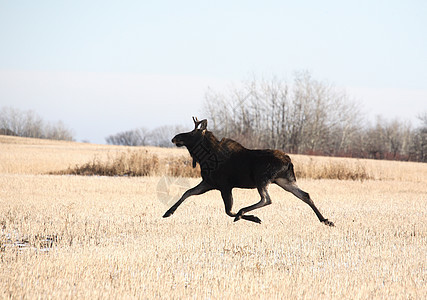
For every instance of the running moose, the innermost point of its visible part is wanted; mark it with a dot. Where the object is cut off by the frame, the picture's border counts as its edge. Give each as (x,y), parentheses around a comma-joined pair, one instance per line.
(226,165)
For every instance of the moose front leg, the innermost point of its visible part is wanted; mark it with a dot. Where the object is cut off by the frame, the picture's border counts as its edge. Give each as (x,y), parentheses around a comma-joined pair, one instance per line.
(199,189)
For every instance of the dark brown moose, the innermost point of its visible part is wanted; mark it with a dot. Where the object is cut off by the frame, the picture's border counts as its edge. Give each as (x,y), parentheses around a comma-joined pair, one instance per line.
(226,165)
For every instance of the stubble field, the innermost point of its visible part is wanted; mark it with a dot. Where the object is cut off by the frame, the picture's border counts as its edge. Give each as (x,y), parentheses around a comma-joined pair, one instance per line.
(84,237)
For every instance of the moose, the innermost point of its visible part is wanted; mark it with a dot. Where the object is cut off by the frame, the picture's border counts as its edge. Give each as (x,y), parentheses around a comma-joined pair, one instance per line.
(226,164)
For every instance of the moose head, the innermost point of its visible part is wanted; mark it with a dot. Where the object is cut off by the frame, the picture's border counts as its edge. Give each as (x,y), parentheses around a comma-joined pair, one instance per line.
(192,138)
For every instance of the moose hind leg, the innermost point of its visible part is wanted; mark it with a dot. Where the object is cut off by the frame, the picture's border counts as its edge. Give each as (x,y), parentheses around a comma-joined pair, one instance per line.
(228,203)
(227,196)
(265,200)
(295,190)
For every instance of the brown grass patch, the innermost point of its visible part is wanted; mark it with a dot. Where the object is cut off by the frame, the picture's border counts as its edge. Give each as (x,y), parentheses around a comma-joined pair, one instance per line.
(180,167)
(134,163)
(130,163)
(341,170)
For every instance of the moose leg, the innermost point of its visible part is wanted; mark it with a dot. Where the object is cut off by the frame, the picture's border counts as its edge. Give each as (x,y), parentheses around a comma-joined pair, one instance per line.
(201,188)
(228,203)
(294,189)
(265,200)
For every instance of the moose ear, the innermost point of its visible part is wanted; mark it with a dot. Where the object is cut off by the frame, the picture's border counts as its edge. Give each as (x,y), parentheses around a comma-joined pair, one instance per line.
(204,124)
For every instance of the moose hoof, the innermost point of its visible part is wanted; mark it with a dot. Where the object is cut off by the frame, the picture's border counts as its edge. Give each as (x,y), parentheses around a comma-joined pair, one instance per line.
(167,214)
(252,218)
(248,217)
(329,223)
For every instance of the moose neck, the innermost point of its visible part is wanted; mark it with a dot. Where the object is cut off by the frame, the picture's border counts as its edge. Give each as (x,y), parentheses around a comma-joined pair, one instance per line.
(206,153)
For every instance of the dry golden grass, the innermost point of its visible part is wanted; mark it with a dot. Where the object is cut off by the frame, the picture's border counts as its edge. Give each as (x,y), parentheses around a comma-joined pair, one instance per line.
(103,237)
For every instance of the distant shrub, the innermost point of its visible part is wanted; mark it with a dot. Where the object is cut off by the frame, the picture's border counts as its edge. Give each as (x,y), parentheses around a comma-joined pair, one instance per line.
(181,167)
(331,170)
(131,163)
(134,163)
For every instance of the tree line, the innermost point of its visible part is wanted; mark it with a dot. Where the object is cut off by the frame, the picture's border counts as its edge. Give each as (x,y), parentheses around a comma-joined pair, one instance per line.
(28,124)
(160,136)
(309,117)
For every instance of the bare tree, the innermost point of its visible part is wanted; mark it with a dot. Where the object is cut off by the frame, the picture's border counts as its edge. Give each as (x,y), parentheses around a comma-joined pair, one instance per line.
(34,127)
(29,124)
(134,137)
(388,140)
(160,137)
(57,131)
(306,116)
(418,145)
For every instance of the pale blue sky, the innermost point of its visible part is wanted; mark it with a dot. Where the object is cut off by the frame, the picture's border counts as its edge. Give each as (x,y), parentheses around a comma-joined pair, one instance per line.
(107,66)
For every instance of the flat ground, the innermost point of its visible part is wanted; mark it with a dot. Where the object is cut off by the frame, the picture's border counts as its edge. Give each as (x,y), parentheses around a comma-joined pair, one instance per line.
(85,237)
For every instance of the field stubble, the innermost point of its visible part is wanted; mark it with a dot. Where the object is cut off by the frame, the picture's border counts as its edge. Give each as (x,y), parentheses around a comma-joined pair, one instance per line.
(104,237)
